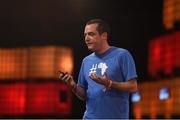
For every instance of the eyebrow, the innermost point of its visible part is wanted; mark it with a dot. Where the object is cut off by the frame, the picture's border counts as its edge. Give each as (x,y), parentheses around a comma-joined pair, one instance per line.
(90,33)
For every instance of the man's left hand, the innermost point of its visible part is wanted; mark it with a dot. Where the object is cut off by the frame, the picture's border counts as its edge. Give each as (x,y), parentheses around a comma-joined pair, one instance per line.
(101,80)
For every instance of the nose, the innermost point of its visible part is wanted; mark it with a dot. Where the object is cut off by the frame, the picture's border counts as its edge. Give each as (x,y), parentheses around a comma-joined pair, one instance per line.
(87,38)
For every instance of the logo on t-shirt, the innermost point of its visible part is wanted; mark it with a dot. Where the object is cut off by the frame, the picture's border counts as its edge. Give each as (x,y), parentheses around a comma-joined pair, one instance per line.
(101,66)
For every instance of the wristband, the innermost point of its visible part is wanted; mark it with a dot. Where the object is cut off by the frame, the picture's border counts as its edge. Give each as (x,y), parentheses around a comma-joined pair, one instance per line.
(110,84)
(107,84)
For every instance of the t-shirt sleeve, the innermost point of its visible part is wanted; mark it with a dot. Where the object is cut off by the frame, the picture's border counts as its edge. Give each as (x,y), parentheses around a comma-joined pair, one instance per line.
(81,78)
(128,66)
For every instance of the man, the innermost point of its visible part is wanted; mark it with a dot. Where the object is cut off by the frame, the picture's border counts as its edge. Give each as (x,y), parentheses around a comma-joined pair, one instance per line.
(107,76)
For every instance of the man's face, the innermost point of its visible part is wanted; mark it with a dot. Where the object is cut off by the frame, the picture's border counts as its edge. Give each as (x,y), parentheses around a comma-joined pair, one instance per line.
(92,37)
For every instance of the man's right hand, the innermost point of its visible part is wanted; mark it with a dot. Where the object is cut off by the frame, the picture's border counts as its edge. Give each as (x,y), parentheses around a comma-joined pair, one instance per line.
(67,78)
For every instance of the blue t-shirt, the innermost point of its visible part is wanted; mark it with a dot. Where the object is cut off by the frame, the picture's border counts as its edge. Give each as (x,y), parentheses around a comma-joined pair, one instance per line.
(120,67)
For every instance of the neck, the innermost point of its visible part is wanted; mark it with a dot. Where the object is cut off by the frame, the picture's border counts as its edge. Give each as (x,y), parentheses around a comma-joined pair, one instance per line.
(103,49)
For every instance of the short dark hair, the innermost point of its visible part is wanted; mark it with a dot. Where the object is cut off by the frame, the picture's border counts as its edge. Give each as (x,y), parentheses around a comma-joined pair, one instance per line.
(102,26)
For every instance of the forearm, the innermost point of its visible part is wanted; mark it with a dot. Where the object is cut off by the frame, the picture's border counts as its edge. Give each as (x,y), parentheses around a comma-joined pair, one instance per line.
(79,92)
(129,86)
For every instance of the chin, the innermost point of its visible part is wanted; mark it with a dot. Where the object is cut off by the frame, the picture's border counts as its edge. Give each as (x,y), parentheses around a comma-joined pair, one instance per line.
(91,49)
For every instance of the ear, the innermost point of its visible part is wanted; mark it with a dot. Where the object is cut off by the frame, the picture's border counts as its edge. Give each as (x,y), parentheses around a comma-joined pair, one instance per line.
(104,35)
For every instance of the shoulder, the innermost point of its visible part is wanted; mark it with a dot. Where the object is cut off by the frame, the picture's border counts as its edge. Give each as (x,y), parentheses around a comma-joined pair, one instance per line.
(121,51)
(123,54)
(91,56)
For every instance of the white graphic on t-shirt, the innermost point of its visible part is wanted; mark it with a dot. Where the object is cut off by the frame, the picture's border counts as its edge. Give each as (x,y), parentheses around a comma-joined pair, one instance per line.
(93,69)
(103,67)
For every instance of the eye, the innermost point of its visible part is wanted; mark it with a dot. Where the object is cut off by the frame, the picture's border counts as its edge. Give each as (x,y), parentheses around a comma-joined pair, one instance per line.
(91,34)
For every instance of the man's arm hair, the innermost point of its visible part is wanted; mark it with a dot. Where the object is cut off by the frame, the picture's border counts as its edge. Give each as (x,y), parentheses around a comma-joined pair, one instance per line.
(79,91)
(129,86)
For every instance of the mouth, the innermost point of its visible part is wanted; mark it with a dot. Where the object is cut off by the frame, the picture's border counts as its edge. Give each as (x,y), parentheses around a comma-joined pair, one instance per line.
(89,44)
